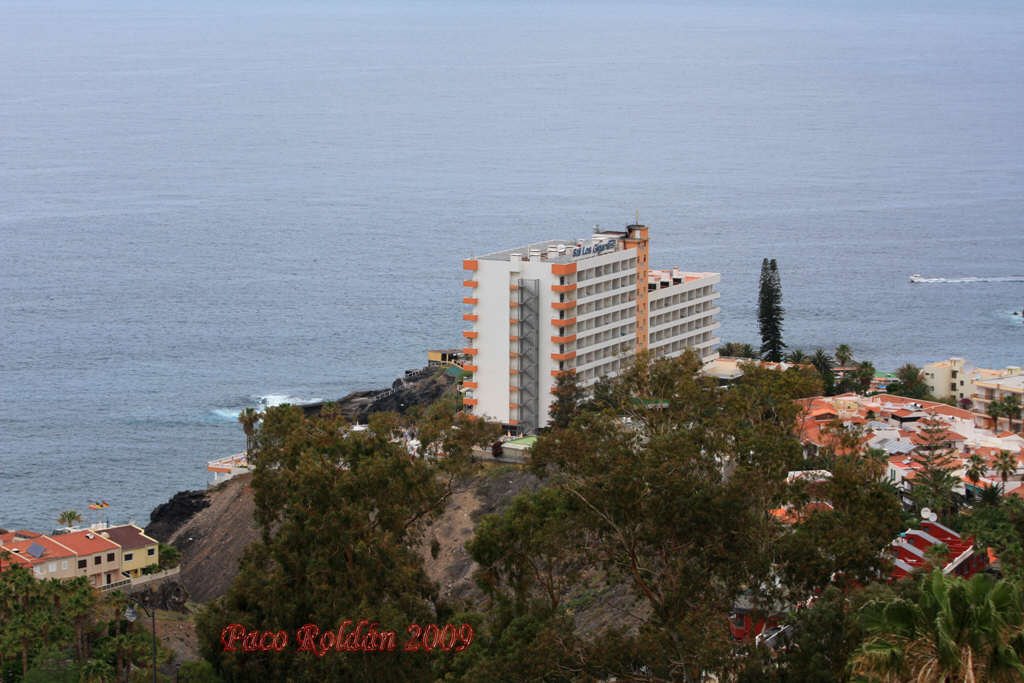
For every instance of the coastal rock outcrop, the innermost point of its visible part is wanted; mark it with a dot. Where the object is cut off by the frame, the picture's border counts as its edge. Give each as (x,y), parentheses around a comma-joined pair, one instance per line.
(168,517)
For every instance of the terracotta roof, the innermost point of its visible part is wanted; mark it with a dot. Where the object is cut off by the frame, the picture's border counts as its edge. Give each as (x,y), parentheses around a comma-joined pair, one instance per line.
(12,536)
(791,515)
(52,549)
(87,542)
(13,560)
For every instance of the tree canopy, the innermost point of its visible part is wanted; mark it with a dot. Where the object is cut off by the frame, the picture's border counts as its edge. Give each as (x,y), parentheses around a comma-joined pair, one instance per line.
(770,312)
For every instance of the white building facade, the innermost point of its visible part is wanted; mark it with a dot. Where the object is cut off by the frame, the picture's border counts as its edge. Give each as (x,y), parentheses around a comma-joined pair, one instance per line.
(585,306)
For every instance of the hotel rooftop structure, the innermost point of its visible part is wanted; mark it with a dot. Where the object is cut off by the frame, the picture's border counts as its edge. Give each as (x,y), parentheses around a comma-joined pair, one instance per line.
(585,306)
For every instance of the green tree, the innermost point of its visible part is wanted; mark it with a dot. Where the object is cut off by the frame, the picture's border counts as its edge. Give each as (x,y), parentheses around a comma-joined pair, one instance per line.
(934,481)
(1008,407)
(671,479)
(249,418)
(863,376)
(738,350)
(339,512)
(1012,406)
(96,671)
(999,524)
(841,545)
(976,468)
(909,383)
(49,628)
(844,355)
(796,356)
(197,672)
(770,312)
(170,556)
(69,518)
(1005,465)
(524,552)
(994,409)
(955,630)
(568,396)
(824,363)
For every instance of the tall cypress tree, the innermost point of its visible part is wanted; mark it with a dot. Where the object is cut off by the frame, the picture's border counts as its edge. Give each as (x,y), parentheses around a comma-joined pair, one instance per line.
(769,313)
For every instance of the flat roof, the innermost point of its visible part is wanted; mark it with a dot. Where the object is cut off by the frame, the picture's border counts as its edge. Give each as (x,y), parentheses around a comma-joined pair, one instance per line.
(1010,382)
(525,251)
(566,244)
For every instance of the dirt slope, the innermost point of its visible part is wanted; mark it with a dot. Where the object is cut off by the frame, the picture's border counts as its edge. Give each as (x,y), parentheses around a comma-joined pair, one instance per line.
(211,529)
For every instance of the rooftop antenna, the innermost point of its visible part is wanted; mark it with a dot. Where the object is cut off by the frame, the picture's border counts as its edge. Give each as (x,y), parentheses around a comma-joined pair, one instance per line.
(638,217)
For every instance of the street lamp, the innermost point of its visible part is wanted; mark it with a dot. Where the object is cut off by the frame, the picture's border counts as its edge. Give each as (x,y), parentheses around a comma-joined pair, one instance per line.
(131,615)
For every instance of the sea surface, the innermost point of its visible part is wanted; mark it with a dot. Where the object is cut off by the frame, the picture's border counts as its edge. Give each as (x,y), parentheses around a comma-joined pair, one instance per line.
(203,204)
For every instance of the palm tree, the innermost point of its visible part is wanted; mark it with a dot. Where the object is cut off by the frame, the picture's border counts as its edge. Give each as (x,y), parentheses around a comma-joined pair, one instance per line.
(975,468)
(956,630)
(69,518)
(877,459)
(1011,408)
(796,357)
(1005,465)
(844,355)
(823,363)
(249,417)
(991,495)
(995,411)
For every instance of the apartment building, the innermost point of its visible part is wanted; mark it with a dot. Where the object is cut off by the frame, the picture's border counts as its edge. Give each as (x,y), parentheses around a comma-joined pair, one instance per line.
(99,558)
(976,388)
(138,550)
(585,306)
(109,556)
(44,556)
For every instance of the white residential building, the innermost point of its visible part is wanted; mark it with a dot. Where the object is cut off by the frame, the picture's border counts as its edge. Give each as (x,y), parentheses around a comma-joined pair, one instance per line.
(584,306)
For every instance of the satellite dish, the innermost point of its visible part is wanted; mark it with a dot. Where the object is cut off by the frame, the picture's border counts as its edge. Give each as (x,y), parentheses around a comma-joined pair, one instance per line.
(932,517)
(926,513)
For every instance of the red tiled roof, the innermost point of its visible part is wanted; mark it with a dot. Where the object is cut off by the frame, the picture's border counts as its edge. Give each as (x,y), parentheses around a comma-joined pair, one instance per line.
(10,536)
(916,538)
(52,549)
(87,542)
(12,560)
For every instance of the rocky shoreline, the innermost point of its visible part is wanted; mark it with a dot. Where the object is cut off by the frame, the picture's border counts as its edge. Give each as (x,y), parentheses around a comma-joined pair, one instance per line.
(212,528)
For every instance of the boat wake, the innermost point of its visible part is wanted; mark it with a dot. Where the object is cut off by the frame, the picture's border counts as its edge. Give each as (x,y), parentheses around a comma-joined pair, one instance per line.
(918,279)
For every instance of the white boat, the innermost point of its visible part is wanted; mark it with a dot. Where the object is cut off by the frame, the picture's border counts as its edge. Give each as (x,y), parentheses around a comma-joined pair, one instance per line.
(916,277)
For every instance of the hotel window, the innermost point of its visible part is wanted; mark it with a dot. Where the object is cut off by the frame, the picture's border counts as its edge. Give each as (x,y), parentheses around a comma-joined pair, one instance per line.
(63,564)
(151,552)
(110,557)
(97,559)
(52,567)
(127,557)
(82,564)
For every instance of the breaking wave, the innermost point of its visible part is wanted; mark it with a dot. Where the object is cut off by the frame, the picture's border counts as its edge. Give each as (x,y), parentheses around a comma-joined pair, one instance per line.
(964,280)
(261,402)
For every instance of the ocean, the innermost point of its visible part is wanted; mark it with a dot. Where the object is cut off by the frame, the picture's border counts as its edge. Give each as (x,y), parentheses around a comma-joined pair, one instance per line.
(203,204)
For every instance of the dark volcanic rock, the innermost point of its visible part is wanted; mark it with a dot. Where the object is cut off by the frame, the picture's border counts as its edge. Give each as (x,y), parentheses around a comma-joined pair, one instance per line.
(168,517)
(418,387)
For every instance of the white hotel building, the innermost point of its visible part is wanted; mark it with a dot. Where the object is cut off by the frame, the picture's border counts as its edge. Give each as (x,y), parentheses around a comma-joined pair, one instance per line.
(584,306)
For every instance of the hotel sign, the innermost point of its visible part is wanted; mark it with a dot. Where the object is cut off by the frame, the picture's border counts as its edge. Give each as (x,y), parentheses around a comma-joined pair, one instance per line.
(594,249)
